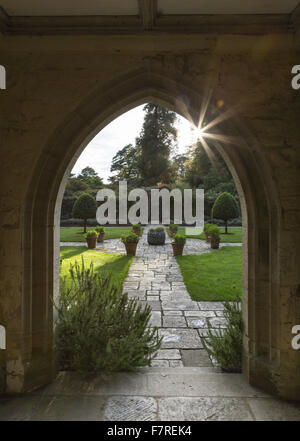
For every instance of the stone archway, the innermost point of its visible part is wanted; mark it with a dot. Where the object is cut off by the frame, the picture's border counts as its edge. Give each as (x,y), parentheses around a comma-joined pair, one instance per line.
(263,347)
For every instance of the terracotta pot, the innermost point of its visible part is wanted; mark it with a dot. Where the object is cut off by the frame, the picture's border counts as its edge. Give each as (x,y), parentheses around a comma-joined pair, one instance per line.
(130,248)
(214,242)
(207,237)
(172,232)
(100,237)
(177,248)
(91,242)
(136,231)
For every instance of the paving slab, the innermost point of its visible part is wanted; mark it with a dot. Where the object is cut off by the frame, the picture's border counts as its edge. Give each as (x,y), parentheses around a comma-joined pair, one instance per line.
(217,322)
(196,322)
(196,314)
(271,409)
(168,354)
(170,312)
(204,409)
(131,409)
(155,319)
(174,321)
(181,305)
(180,338)
(195,358)
(210,306)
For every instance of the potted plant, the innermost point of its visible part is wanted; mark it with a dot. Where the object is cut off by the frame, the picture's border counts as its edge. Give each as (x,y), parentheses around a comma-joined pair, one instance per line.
(136,228)
(91,238)
(156,236)
(206,231)
(214,233)
(178,244)
(173,228)
(101,233)
(130,241)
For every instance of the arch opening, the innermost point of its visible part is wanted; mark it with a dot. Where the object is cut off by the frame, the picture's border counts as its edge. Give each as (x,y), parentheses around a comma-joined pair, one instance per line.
(41,220)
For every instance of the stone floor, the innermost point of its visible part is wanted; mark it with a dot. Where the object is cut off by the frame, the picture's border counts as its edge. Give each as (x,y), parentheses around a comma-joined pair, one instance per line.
(152,394)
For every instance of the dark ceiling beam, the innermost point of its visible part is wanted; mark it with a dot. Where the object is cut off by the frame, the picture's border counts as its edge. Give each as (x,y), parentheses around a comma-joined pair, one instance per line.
(4,21)
(148,13)
(104,24)
(150,20)
(224,23)
(295,18)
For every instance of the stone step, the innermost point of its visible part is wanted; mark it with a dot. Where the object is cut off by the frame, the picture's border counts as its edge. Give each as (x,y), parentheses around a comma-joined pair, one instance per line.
(155,382)
(153,394)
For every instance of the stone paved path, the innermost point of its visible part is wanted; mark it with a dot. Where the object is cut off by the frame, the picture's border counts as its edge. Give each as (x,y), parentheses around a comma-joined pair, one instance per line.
(155,278)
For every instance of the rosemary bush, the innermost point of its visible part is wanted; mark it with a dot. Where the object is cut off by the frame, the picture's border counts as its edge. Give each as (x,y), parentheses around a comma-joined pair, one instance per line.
(225,345)
(98,328)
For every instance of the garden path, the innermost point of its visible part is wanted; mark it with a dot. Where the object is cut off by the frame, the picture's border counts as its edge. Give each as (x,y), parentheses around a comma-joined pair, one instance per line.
(155,278)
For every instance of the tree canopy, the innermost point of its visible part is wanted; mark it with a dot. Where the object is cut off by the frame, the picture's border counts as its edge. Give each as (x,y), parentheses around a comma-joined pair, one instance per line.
(84,208)
(155,145)
(225,208)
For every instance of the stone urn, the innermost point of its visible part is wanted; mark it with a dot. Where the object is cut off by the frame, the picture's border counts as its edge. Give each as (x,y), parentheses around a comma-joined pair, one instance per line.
(156,237)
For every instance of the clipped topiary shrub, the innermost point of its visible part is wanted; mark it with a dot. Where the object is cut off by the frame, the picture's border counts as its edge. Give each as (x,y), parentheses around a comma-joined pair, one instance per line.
(179,238)
(225,345)
(84,208)
(98,328)
(225,208)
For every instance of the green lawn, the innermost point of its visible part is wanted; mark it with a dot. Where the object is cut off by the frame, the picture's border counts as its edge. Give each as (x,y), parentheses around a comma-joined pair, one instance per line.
(234,235)
(116,263)
(75,234)
(216,276)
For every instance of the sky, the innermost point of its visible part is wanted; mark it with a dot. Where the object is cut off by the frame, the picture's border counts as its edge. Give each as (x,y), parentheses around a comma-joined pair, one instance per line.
(123,130)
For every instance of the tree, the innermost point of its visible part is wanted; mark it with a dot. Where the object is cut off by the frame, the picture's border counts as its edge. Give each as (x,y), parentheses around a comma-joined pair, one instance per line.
(90,177)
(197,166)
(225,208)
(155,144)
(125,164)
(178,164)
(75,187)
(84,208)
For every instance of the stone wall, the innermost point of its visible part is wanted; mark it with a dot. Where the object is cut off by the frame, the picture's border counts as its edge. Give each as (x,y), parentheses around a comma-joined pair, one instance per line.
(62,89)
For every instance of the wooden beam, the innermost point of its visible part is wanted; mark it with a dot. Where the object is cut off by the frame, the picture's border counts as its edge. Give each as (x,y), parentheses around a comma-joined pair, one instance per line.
(224,23)
(72,25)
(148,13)
(4,21)
(295,18)
(149,20)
